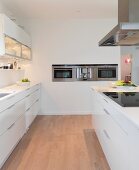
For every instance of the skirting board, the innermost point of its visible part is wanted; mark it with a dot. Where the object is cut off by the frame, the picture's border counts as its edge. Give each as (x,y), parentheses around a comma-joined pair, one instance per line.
(67,113)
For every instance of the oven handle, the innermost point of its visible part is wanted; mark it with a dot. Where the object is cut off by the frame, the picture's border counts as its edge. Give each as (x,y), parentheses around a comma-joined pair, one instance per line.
(63,69)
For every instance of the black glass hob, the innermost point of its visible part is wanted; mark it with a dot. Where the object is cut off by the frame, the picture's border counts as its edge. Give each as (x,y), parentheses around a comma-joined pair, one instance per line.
(124,99)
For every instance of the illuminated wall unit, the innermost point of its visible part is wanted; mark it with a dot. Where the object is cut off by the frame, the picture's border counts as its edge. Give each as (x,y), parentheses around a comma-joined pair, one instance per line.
(14,41)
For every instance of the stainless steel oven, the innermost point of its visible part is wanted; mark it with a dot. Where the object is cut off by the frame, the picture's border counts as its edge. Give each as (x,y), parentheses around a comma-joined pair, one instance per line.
(64,73)
(85,72)
(107,72)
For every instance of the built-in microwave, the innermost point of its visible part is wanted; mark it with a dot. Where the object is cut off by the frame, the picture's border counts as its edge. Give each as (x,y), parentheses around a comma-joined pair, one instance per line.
(108,73)
(64,73)
(85,72)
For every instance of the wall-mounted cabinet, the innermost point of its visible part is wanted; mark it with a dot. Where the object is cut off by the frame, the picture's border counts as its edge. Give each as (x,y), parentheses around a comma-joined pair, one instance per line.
(26,52)
(14,41)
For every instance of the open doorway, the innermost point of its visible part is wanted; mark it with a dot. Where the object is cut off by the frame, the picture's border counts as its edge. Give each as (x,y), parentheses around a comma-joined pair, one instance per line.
(126,67)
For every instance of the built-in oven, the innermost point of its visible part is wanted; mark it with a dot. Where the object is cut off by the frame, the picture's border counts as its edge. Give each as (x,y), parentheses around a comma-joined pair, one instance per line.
(85,72)
(107,72)
(63,73)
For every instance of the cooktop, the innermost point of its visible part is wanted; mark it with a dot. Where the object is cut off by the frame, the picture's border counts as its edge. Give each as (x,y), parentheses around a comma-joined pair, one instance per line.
(124,99)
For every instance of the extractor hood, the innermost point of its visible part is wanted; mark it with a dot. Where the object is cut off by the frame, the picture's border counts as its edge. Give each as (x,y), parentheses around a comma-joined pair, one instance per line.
(126,33)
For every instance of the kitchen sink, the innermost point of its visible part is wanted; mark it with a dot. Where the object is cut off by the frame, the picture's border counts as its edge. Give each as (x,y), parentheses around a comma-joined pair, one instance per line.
(4,94)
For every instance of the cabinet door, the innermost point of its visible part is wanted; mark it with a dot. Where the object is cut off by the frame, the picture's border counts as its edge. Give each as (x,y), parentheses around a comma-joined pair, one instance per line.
(98,116)
(133,150)
(116,144)
(28,117)
(10,138)
(36,108)
(12,47)
(13,30)
(26,52)
(10,115)
(32,112)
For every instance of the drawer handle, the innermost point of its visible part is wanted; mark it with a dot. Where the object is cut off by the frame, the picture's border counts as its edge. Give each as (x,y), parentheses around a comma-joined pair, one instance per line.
(37,100)
(27,109)
(11,126)
(106,112)
(11,107)
(106,134)
(105,100)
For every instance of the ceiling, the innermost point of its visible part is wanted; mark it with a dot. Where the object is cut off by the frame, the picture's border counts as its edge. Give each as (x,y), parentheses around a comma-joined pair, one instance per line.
(62,8)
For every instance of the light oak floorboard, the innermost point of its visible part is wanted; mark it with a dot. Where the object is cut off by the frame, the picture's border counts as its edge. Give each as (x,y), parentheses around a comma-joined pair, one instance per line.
(58,143)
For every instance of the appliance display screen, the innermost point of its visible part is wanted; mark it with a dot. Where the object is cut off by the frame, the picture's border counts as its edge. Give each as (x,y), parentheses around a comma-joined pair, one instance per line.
(106,73)
(63,73)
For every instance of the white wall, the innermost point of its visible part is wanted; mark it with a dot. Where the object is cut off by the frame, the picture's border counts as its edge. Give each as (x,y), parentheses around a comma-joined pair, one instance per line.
(68,42)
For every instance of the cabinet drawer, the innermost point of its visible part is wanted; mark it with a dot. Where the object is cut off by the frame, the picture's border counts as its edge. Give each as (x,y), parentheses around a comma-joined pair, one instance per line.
(115,144)
(32,89)
(10,115)
(31,98)
(121,120)
(10,138)
(36,107)
(31,113)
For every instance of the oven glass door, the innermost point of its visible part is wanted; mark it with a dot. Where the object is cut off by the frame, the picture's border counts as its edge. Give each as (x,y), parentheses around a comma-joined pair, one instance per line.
(107,73)
(63,73)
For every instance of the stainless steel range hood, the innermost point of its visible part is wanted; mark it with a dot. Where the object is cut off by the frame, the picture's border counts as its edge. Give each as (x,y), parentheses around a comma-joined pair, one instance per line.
(126,33)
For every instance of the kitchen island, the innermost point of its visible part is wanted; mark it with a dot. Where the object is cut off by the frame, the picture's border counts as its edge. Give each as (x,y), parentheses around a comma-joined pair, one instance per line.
(117,128)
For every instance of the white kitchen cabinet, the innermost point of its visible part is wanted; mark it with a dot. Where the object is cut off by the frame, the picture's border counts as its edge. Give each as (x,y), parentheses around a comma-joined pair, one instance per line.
(31,113)
(116,146)
(118,136)
(134,150)
(12,30)
(98,114)
(13,118)
(12,47)
(32,106)
(12,128)
(26,52)
(10,115)
(10,138)
(112,137)
(31,98)
(14,41)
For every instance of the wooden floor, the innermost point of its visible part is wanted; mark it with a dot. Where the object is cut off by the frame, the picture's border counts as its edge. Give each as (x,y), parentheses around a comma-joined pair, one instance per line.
(58,143)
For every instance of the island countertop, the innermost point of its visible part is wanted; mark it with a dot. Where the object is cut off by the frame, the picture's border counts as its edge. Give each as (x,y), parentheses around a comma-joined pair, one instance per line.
(131,113)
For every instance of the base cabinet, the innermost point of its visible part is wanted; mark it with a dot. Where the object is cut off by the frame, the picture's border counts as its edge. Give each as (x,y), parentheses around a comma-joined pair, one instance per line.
(31,113)
(10,138)
(113,139)
(32,107)
(15,118)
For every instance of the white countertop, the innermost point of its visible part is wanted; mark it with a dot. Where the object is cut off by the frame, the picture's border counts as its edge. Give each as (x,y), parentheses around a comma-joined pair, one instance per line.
(14,89)
(131,113)
(17,88)
(115,89)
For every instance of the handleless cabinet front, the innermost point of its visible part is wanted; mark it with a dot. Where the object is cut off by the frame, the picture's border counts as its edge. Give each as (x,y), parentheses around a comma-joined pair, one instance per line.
(10,115)
(10,138)
(31,98)
(32,106)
